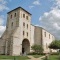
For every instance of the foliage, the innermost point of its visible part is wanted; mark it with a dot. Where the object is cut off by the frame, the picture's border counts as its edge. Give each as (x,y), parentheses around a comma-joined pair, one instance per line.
(37,49)
(55,44)
(55,53)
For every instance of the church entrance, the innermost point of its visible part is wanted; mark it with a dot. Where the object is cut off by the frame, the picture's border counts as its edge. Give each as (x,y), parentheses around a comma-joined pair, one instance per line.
(25,46)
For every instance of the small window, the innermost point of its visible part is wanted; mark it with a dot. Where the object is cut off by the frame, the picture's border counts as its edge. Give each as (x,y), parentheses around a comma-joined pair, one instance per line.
(15,15)
(23,15)
(45,34)
(27,33)
(27,17)
(27,26)
(24,24)
(23,32)
(11,16)
(46,46)
(12,24)
(49,36)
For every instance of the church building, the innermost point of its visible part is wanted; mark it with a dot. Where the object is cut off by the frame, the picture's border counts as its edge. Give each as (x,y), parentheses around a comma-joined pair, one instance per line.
(20,34)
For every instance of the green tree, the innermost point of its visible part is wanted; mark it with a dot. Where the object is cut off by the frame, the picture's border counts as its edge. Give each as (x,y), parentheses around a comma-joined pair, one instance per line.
(37,49)
(55,44)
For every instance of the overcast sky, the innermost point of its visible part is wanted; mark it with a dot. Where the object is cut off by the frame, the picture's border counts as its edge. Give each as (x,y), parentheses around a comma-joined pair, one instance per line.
(45,13)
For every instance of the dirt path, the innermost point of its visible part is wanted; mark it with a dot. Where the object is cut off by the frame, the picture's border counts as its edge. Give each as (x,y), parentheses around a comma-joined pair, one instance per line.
(32,58)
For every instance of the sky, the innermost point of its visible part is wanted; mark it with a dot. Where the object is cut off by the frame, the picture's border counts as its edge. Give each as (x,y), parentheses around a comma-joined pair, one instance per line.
(45,13)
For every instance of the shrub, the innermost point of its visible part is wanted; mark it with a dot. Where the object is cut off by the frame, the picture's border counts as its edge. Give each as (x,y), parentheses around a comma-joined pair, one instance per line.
(37,49)
(55,53)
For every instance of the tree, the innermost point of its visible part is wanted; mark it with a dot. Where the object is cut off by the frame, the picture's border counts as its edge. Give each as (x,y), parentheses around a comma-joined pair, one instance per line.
(37,49)
(55,44)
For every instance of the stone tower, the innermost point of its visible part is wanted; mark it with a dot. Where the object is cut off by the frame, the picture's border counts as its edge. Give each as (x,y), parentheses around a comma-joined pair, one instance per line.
(18,32)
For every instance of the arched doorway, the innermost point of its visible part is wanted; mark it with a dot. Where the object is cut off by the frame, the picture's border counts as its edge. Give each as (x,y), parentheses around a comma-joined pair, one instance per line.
(25,46)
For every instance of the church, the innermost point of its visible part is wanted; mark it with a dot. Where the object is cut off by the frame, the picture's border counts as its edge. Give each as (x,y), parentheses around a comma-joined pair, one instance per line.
(20,34)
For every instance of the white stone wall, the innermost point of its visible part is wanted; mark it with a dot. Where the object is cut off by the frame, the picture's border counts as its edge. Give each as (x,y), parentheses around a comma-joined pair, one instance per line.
(38,35)
(46,40)
(32,37)
(10,29)
(18,36)
(24,20)
(2,46)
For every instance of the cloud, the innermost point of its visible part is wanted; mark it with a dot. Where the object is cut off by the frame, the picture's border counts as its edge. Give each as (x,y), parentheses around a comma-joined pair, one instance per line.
(36,2)
(1,20)
(2,29)
(31,7)
(51,21)
(37,25)
(3,5)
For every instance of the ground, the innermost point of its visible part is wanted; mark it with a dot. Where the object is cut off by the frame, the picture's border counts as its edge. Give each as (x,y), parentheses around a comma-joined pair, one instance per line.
(54,57)
(13,57)
(29,57)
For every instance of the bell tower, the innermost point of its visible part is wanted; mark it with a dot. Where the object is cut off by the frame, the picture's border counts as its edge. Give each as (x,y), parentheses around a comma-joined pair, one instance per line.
(18,29)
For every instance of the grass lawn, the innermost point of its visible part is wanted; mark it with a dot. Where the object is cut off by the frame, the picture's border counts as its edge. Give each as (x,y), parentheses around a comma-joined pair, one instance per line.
(12,57)
(53,57)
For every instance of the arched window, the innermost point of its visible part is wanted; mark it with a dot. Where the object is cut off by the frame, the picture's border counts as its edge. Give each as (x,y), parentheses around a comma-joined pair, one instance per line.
(23,15)
(11,17)
(23,24)
(15,15)
(46,46)
(12,24)
(27,17)
(27,26)
(45,34)
(23,33)
(27,33)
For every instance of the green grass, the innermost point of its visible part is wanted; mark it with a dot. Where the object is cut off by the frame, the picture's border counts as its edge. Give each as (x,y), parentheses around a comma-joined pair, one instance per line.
(12,57)
(37,56)
(53,57)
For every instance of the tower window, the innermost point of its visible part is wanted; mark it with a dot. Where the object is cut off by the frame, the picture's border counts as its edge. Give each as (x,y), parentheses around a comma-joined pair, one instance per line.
(23,24)
(46,46)
(12,24)
(23,32)
(23,15)
(45,34)
(27,17)
(27,26)
(11,16)
(15,15)
(27,33)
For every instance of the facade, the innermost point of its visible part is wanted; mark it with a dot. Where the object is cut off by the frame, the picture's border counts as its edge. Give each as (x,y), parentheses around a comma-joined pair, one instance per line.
(20,34)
